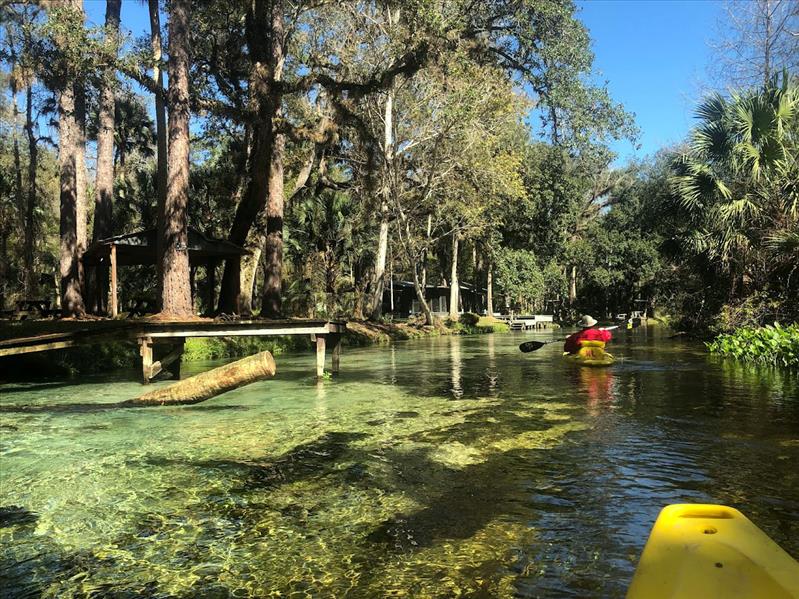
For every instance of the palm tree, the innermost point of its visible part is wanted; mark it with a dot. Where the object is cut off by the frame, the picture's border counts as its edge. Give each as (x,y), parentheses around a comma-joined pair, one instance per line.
(737,182)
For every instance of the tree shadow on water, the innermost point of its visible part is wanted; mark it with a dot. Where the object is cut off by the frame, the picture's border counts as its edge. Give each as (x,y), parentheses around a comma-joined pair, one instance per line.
(308,460)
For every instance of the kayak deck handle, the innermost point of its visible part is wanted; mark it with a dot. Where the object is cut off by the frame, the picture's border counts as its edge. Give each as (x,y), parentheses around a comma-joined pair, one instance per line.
(705,511)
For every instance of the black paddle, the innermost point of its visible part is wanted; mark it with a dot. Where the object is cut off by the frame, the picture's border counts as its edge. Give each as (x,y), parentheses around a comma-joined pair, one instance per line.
(529,346)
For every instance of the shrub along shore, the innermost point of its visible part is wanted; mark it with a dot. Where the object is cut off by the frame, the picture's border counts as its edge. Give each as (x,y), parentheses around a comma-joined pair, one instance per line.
(773,344)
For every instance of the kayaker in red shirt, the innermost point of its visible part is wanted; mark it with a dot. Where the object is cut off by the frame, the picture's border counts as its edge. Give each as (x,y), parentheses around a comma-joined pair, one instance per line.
(587,333)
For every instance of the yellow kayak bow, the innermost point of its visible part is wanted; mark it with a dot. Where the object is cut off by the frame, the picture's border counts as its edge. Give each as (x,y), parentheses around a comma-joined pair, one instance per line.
(712,551)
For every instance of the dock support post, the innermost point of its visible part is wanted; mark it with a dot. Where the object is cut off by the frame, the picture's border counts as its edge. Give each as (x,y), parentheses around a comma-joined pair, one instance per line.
(335,345)
(178,361)
(146,352)
(114,304)
(320,355)
(152,367)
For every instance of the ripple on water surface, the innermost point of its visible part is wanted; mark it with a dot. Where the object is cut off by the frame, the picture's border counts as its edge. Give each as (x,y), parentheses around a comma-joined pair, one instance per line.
(433,468)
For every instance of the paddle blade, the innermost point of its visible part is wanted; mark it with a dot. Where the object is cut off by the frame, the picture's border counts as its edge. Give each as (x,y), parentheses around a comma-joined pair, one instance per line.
(529,346)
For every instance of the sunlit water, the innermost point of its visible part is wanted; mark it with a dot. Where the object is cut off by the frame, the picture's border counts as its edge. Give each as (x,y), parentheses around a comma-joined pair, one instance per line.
(433,468)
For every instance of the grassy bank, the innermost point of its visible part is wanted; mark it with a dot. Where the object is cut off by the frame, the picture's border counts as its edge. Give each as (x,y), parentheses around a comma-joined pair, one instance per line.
(120,355)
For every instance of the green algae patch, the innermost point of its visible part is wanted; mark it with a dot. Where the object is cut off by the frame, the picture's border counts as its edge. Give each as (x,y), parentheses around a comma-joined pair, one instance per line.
(482,565)
(456,455)
(546,439)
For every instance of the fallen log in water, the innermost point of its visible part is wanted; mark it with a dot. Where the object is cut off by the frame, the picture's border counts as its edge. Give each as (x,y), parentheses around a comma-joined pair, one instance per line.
(209,384)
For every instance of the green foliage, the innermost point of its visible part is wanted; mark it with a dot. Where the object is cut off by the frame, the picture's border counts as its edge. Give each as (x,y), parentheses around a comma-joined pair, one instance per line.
(736,206)
(491,325)
(737,183)
(519,277)
(772,344)
(750,311)
(214,348)
(469,319)
(475,325)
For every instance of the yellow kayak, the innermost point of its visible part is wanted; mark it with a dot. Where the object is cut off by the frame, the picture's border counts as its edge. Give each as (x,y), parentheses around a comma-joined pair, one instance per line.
(703,550)
(591,353)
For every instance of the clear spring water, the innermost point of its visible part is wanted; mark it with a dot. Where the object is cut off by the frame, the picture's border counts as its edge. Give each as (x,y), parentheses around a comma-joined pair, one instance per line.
(444,467)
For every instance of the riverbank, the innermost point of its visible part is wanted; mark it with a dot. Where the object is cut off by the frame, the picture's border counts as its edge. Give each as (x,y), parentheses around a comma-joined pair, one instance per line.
(120,355)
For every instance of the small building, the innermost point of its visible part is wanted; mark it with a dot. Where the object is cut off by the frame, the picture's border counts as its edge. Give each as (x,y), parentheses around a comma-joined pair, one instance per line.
(404,302)
(139,248)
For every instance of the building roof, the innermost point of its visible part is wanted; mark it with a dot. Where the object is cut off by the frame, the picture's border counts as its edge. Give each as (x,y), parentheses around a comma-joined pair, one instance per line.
(139,247)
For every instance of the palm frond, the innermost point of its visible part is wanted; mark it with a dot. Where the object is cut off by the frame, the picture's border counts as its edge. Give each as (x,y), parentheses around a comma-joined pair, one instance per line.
(785,242)
(711,109)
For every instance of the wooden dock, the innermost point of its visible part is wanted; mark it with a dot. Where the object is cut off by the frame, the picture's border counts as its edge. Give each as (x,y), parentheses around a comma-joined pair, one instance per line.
(166,338)
(527,322)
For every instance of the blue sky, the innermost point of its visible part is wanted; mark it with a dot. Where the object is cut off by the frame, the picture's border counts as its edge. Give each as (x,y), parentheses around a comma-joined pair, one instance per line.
(654,55)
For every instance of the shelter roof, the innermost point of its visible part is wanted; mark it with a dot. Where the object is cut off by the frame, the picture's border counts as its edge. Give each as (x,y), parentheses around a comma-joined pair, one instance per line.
(139,247)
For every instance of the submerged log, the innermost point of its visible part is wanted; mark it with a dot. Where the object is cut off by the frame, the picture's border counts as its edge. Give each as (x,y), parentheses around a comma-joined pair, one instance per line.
(210,384)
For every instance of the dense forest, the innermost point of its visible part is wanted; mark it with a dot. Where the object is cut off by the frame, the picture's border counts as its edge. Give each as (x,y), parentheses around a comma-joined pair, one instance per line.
(346,145)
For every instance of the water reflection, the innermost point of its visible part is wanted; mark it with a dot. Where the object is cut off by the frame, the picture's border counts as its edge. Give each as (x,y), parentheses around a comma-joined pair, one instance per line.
(393,361)
(456,366)
(598,385)
(491,371)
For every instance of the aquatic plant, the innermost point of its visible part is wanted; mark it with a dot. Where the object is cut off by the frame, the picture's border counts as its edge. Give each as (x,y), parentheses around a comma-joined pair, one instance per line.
(772,344)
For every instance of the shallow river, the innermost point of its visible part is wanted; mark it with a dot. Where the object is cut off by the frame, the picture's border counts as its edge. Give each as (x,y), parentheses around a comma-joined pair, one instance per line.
(434,468)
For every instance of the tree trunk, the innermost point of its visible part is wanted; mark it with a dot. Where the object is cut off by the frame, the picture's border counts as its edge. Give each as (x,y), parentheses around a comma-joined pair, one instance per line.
(490,289)
(249,272)
(6,227)
(376,300)
(767,16)
(18,192)
(4,263)
(573,286)
(272,301)
(71,296)
(454,288)
(212,383)
(175,287)
(104,181)
(273,248)
(406,244)
(161,133)
(81,176)
(231,287)
(382,242)
(425,250)
(264,188)
(417,286)
(361,292)
(33,159)
(248,209)
(256,240)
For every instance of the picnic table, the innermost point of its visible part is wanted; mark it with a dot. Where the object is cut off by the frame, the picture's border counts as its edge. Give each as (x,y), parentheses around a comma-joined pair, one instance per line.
(33,307)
